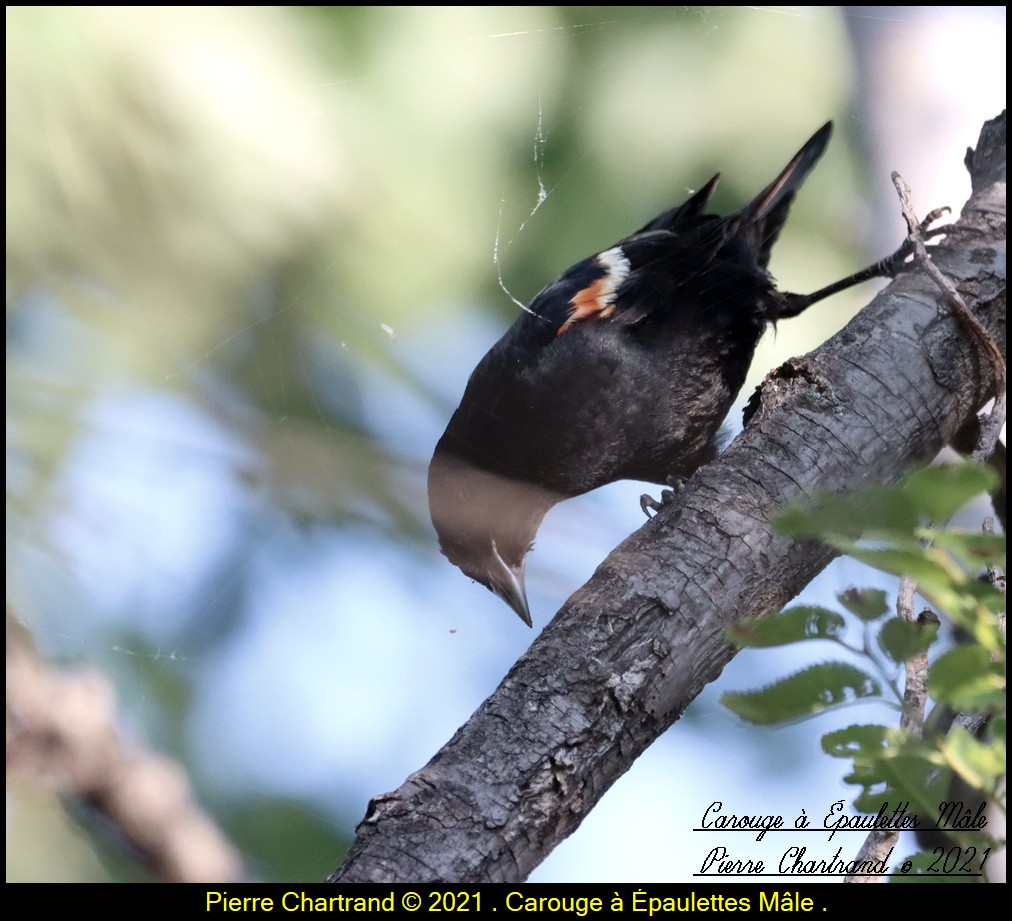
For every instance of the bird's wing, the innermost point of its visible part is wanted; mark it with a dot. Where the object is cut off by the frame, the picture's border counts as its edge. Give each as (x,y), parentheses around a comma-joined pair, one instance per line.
(759,223)
(640,276)
(633,278)
(685,215)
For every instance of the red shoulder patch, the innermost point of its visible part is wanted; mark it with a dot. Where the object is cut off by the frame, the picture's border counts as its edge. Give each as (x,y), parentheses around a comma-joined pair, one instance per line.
(597,300)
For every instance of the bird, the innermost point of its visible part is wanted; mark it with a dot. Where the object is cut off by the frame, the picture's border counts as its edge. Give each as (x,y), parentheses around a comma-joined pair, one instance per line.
(624,367)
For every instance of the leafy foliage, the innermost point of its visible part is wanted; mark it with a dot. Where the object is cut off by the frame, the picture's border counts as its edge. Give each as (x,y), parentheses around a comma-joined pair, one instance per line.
(810,691)
(891,529)
(792,626)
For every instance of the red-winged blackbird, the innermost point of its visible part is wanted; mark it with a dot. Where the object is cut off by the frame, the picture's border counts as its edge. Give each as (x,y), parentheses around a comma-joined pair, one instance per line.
(622,368)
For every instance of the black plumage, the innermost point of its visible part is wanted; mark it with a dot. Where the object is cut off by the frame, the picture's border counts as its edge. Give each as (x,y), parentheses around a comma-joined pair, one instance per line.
(622,368)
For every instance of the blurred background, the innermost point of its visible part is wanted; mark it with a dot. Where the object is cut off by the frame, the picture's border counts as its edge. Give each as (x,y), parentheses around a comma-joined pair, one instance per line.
(253,255)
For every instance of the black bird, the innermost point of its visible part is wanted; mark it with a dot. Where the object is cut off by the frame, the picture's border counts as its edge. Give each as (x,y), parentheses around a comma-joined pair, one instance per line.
(622,368)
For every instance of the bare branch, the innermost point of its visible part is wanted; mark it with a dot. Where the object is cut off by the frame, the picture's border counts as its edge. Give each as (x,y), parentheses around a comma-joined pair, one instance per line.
(61,728)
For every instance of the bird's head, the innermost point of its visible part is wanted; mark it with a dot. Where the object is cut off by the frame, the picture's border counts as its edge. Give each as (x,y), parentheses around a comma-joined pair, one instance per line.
(486,524)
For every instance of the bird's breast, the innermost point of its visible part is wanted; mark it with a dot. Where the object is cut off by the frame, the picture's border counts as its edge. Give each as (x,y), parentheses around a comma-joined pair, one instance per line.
(598,404)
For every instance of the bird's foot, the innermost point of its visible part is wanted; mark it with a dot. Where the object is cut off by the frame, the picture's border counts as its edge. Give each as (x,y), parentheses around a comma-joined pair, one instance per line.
(794,304)
(892,265)
(649,504)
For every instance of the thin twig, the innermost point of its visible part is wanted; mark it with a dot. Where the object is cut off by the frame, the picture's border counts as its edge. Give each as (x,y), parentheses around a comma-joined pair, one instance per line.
(880,842)
(989,431)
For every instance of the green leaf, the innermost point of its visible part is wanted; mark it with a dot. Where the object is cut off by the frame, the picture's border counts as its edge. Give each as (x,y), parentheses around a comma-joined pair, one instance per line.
(890,765)
(939,492)
(984,594)
(875,511)
(867,603)
(997,729)
(810,691)
(789,626)
(866,741)
(912,774)
(983,624)
(925,567)
(980,764)
(972,548)
(903,639)
(967,679)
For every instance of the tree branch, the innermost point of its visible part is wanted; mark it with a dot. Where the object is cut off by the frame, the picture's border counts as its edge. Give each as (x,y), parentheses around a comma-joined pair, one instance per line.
(62,730)
(880,841)
(633,647)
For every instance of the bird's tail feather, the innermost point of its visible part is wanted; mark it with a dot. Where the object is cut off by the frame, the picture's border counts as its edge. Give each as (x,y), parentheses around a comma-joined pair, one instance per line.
(763,218)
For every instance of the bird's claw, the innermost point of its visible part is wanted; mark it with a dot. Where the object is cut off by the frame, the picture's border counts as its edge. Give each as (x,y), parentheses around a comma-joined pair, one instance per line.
(933,216)
(649,504)
(897,262)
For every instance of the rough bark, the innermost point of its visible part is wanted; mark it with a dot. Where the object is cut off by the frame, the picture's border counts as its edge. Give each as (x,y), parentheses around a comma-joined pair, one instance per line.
(633,647)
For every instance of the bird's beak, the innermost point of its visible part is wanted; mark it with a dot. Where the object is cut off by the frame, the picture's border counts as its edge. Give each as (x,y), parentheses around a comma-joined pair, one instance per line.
(508,584)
